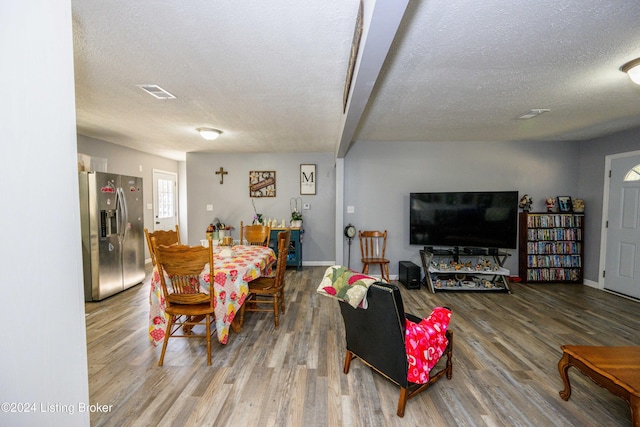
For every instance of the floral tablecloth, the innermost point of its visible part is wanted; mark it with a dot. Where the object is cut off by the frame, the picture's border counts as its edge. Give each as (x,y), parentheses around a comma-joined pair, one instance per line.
(231,277)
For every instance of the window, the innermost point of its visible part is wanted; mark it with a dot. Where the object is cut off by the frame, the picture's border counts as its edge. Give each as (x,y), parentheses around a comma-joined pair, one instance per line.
(165,198)
(633,174)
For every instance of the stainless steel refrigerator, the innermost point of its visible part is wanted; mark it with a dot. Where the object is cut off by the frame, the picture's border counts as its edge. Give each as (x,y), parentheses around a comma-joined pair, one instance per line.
(111,214)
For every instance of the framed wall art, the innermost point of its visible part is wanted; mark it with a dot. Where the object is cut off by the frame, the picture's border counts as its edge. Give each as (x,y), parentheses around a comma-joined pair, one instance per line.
(262,183)
(307,179)
(564,204)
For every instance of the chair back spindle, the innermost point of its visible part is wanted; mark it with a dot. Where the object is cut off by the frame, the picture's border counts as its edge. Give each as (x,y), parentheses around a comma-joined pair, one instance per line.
(373,245)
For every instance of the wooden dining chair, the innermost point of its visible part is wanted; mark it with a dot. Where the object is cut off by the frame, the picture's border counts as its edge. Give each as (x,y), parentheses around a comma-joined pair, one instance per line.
(255,234)
(372,247)
(163,238)
(186,304)
(270,290)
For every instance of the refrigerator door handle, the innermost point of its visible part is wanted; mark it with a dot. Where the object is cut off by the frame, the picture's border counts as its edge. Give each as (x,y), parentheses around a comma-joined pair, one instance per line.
(122,212)
(125,217)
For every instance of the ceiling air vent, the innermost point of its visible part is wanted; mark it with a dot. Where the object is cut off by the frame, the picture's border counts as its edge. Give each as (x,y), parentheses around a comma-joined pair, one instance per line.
(156,91)
(533,113)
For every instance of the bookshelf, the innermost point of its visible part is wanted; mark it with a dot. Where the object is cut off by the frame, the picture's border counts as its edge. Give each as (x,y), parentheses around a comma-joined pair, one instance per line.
(551,247)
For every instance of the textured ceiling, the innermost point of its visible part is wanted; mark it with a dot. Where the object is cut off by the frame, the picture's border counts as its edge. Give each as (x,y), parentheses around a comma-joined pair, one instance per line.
(271,75)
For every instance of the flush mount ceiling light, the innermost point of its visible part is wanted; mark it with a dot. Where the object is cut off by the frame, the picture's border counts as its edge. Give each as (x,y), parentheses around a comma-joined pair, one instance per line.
(209,133)
(533,113)
(632,68)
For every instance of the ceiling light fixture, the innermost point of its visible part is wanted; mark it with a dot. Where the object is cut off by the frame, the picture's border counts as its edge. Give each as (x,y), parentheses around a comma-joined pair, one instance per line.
(632,68)
(533,113)
(209,134)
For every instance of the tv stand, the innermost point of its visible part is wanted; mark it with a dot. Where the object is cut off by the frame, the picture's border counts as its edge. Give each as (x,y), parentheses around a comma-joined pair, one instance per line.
(475,251)
(472,269)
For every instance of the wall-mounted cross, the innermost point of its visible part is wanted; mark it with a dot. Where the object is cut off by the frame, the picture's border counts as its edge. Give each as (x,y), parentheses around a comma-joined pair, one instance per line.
(222,173)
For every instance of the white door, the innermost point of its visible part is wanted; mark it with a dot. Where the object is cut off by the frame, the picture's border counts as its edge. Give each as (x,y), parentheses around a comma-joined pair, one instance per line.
(622,266)
(165,200)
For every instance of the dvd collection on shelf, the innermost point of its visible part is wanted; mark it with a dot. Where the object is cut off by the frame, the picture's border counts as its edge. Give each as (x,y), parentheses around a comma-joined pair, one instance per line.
(551,247)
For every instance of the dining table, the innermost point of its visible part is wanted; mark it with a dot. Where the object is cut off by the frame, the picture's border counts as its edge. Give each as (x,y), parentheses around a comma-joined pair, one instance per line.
(233,268)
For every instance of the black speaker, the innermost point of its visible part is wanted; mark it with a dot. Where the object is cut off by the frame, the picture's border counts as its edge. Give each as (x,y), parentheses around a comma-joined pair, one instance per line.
(409,274)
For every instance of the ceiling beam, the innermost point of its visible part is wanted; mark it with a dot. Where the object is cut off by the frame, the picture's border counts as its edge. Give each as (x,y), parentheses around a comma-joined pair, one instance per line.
(381,20)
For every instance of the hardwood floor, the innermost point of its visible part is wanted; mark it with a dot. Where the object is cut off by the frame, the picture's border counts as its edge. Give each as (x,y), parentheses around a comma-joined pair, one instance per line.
(506,352)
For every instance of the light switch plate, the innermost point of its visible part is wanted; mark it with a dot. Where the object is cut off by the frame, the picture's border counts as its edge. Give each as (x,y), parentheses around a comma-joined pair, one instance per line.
(209,207)
(351,209)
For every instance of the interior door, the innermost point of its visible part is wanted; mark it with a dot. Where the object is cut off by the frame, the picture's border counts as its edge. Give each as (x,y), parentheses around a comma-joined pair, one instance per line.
(165,200)
(622,267)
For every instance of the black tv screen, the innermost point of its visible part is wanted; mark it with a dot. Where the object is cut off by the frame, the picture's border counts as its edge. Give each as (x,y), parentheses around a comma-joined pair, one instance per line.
(486,219)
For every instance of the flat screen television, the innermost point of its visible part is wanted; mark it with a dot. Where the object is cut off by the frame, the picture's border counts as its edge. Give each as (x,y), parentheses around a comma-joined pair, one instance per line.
(484,219)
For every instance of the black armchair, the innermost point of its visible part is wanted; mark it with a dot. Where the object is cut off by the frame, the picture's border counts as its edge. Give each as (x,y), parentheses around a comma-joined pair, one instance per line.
(376,336)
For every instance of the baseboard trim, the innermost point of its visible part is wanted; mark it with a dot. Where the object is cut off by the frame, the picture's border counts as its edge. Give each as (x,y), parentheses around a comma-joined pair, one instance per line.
(318,263)
(330,263)
(591,284)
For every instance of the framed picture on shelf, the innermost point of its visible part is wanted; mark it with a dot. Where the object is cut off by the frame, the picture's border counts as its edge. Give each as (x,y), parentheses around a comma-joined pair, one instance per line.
(564,204)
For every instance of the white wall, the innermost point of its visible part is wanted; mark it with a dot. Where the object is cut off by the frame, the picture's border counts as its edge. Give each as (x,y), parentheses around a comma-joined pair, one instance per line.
(44,354)
(379,177)
(231,201)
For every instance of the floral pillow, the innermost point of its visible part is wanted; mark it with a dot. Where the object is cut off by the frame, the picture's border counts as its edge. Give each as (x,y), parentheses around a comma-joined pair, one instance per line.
(346,285)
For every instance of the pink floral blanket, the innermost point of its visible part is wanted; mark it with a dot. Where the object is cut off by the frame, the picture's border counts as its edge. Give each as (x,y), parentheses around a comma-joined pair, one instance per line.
(425,343)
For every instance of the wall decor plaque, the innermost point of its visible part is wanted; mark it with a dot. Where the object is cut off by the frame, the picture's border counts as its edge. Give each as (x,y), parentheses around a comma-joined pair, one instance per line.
(262,183)
(307,179)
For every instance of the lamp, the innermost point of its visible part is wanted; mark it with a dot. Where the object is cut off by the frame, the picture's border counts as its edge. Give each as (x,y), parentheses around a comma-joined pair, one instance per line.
(632,68)
(209,134)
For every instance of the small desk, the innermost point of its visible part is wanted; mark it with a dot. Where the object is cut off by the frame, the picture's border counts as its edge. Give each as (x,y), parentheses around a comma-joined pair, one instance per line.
(615,368)
(231,277)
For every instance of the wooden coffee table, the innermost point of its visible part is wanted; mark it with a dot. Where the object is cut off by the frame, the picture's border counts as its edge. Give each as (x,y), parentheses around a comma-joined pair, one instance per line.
(615,368)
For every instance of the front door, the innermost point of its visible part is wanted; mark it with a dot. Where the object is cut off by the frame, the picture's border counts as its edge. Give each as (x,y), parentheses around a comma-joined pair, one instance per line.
(165,200)
(622,265)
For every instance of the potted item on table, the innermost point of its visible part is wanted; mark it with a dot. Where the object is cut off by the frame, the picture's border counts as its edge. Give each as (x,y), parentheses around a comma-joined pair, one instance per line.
(296,219)
(296,215)
(224,230)
(257,217)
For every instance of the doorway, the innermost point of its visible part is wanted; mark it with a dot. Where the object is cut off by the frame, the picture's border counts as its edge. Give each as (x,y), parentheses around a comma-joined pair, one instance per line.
(622,216)
(165,200)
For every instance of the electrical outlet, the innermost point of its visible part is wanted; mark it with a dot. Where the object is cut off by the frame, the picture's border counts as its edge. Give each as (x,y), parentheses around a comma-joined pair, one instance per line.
(351,209)
(306,206)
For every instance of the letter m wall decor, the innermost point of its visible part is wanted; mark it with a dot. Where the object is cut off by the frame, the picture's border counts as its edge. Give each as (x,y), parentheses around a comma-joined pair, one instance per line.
(307,179)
